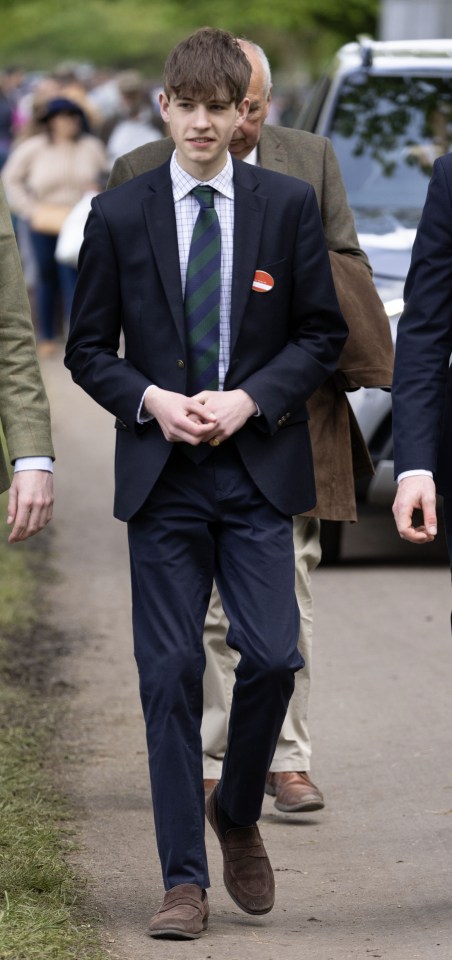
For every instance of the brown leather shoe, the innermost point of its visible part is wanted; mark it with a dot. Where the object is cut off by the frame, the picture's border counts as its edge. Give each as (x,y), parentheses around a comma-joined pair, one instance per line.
(247,873)
(294,792)
(209,785)
(183,914)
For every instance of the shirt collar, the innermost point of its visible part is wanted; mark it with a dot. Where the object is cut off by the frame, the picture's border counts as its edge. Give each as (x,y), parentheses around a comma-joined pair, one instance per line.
(252,158)
(183,182)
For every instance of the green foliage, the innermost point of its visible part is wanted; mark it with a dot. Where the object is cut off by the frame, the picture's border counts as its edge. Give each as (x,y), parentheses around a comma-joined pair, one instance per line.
(39,893)
(42,914)
(38,33)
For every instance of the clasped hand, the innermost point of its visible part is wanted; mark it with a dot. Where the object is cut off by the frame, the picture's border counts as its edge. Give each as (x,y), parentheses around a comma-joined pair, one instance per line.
(194,420)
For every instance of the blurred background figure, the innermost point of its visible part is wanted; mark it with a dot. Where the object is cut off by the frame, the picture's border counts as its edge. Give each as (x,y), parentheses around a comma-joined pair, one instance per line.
(11,80)
(74,82)
(45,175)
(136,123)
(6,120)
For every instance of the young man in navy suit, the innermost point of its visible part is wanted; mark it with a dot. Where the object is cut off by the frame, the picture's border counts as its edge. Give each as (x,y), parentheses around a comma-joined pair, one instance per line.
(422,387)
(213,455)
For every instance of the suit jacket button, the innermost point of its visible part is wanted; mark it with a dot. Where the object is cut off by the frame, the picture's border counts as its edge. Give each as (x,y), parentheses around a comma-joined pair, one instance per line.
(181,364)
(281,422)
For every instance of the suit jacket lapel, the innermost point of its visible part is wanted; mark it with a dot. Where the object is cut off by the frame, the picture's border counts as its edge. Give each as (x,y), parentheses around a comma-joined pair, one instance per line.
(160,220)
(272,152)
(249,211)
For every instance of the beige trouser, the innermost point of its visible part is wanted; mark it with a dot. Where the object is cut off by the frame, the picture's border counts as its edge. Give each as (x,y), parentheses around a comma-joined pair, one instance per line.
(293,751)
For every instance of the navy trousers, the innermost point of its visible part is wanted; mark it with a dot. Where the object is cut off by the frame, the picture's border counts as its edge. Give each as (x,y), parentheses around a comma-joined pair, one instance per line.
(200,522)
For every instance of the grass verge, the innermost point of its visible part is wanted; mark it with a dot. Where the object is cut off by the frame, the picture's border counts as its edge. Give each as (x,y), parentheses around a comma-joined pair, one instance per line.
(43,913)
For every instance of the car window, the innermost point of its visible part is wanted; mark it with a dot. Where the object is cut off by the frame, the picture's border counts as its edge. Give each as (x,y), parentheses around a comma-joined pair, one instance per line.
(311,110)
(387,131)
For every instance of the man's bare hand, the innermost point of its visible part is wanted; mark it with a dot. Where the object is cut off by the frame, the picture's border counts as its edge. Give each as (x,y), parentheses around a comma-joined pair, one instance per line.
(231,408)
(30,503)
(181,418)
(416,493)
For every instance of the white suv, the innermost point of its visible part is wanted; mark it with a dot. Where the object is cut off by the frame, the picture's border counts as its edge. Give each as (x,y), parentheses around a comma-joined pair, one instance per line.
(387,108)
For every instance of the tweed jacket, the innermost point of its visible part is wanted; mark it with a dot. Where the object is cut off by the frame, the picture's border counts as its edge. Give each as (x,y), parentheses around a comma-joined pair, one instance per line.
(24,409)
(339,451)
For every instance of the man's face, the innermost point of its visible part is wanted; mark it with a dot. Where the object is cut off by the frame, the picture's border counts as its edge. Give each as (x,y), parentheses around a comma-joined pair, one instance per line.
(202,131)
(245,137)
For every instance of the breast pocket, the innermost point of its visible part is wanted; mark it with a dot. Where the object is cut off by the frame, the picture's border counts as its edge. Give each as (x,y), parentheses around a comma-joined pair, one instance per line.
(267,276)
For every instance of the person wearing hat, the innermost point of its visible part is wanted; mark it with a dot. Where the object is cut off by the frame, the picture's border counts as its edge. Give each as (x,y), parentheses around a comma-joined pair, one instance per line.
(44,177)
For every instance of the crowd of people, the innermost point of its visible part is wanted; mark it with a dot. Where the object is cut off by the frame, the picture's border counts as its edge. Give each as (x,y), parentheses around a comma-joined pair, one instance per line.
(60,133)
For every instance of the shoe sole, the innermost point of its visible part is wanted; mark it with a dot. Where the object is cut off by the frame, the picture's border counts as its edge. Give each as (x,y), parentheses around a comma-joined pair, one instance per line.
(306,806)
(172,933)
(241,906)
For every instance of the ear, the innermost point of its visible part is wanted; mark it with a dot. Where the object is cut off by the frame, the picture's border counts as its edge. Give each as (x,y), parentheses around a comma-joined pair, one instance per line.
(268,102)
(242,112)
(164,107)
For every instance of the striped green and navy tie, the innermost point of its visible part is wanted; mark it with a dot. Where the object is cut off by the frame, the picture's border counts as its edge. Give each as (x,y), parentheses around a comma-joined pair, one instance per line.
(202,296)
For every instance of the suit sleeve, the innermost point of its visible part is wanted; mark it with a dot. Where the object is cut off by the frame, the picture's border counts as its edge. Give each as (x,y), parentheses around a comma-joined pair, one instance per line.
(94,337)
(424,336)
(24,409)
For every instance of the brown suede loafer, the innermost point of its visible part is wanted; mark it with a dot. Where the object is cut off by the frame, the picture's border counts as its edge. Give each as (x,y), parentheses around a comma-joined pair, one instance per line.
(183,914)
(247,873)
(294,791)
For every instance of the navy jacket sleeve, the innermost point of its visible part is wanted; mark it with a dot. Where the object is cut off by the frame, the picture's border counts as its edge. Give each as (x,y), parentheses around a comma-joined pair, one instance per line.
(424,336)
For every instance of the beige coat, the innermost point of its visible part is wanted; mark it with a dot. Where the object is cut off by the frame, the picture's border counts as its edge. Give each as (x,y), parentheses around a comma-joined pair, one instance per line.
(339,451)
(24,409)
(40,170)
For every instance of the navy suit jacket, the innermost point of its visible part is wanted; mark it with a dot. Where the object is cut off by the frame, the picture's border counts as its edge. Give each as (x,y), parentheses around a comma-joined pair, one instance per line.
(422,385)
(284,343)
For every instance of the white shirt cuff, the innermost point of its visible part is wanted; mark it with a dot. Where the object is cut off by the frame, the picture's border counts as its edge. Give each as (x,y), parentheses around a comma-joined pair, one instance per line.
(414,473)
(33,463)
(143,416)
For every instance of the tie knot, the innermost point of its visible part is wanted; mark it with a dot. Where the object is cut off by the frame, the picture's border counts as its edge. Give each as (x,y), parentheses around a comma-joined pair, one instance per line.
(204,196)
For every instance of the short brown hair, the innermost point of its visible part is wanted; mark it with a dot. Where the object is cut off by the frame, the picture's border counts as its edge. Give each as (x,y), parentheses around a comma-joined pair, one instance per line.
(207,64)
